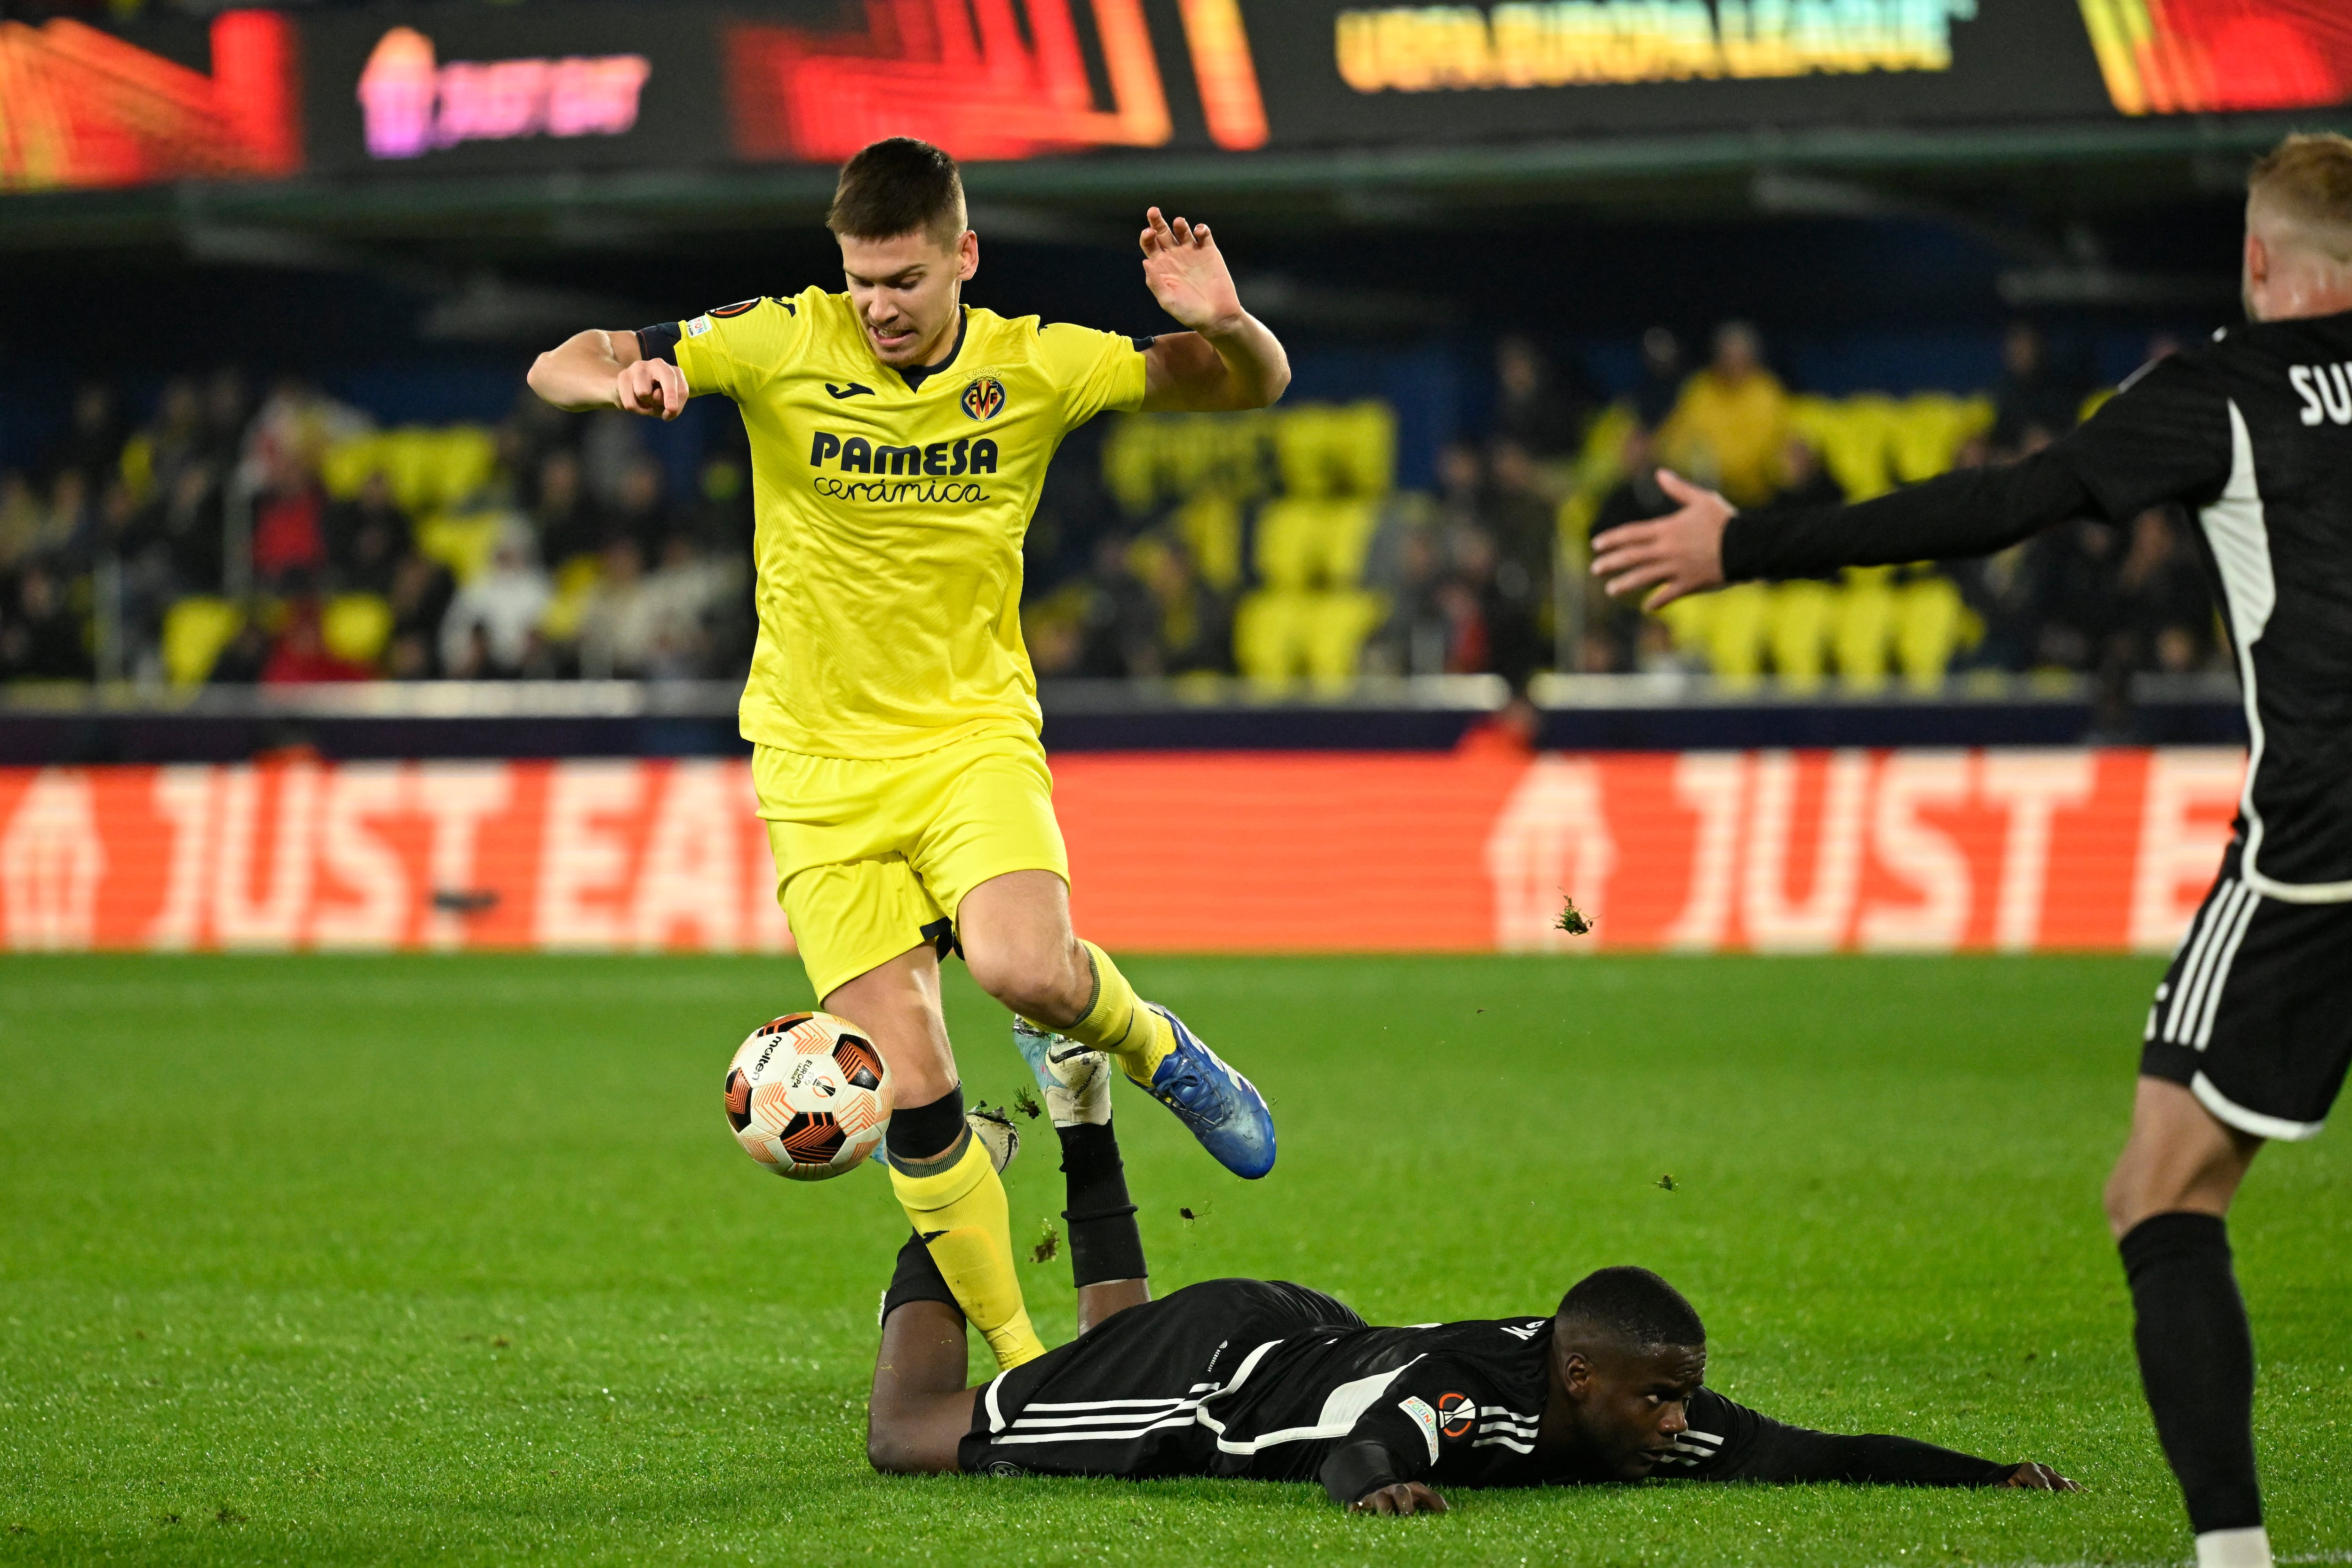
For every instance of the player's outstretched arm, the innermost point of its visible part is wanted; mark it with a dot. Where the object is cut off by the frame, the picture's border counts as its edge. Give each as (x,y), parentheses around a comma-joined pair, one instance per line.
(597,368)
(1708,542)
(1228,361)
(1751,1447)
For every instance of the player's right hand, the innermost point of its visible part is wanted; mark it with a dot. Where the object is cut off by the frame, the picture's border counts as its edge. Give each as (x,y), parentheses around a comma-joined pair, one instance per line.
(1405,1497)
(1678,554)
(2032,1476)
(652,387)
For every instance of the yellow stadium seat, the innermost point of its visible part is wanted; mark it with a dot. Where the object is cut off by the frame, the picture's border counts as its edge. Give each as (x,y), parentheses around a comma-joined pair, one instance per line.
(1337,623)
(1314,543)
(1796,627)
(345,466)
(1852,435)
(1932,625)
(461,543)
(195,632)
(1733,631)
(1930,429)
(1864,628)
(1209,523)
(1364,437)
(1271,630)
(1129,456)
(463,458)
(356,627)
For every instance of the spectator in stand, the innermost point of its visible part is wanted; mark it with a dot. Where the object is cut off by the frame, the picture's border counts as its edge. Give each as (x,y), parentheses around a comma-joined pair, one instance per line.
(2169,608)
(20,518)
(640,505)
(1805,480)
(491,632)
(2077,608)
(1532,410)
(227,409)
(1524,521)
(1411,641)
(1493,629)
(185,521)
(248,654)
(300,656)
(421,593)
(1196,629)
(1662,377)
(68,531)
(1613,627)
(366,538)
(172,440)
(612,624)
(92,444)
(1120,640)
(290,541)
(44,639)
(1727,425)
(568,526)
(2033,395)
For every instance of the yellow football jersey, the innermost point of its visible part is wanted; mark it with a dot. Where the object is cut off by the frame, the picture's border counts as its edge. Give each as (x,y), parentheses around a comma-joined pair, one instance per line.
(891,510)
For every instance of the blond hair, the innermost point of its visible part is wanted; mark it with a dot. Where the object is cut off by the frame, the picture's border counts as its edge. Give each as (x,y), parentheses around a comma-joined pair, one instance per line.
(2304,187)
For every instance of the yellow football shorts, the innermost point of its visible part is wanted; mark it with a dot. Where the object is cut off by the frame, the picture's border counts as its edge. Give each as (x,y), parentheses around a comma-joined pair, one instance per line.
(873,858)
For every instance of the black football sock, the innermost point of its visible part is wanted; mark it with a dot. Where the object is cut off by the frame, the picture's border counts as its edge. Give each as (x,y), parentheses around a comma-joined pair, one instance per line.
(2196,1363)
(922,1133)
(917,1278)
(1103,1242)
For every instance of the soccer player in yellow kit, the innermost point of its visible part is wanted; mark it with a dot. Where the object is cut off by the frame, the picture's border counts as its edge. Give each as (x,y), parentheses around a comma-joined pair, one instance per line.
(899,440)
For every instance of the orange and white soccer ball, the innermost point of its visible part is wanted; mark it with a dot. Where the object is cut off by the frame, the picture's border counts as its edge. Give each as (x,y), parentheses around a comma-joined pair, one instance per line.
(808,1096)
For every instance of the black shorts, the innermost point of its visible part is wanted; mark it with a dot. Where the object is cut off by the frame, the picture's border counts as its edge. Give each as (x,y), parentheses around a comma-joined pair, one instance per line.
(1119,1399)
(2254,1018)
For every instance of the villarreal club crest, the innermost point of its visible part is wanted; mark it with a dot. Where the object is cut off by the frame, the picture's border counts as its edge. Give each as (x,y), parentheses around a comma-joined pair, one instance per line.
(984,399)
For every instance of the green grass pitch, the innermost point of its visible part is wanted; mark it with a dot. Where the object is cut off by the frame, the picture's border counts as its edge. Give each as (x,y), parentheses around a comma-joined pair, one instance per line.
(320,1259)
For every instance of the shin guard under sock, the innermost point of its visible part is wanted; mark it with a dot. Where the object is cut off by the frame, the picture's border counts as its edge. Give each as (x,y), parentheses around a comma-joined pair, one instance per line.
(1103,1242)
(1119,1023)
(957,1206)
(2197,1363)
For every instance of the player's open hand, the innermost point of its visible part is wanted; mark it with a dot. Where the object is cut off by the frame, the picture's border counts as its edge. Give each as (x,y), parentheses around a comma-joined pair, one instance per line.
(1405,1497)
(1678,554)
(1187,274)
(653,387)
(2030,1477)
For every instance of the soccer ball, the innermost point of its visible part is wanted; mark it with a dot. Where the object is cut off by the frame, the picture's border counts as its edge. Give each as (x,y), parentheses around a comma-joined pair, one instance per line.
(808,1096)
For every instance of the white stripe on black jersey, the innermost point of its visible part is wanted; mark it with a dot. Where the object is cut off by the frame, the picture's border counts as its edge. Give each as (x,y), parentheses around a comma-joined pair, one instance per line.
(2254,431)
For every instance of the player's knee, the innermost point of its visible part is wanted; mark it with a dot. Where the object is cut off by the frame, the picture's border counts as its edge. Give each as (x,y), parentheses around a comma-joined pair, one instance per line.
(1037,985)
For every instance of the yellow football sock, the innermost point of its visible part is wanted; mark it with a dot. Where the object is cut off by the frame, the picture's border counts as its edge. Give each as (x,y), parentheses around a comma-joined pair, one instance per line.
(957,1205)
(1121,1024)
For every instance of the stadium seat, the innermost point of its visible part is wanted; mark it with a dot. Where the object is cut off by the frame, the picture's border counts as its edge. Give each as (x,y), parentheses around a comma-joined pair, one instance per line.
(1271,631)
(1853,436)
(1864,627)
(1796,628)
(1929,430)
(195,630)
(356,627)
(430,469)
(1733,630)
(1209,523)
(1338,622)
(1314,543)
(1932,625)
(461,542)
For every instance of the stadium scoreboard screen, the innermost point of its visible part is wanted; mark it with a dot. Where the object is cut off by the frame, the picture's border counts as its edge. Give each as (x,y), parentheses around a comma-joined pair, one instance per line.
(259,93)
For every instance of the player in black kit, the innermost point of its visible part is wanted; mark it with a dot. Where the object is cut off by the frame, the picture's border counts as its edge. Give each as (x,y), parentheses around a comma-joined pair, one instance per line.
(1275,1382)
(2252,1027)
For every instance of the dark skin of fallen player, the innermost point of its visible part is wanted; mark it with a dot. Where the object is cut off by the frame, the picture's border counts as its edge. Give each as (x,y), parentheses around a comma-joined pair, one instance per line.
(1613,1415)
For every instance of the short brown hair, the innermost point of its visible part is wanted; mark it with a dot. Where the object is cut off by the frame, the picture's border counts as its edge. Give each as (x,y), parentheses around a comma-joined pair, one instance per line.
(896,188)
(2306,180)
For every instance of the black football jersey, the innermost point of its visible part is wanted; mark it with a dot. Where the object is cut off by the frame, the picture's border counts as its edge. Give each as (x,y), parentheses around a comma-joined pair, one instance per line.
(2254,431)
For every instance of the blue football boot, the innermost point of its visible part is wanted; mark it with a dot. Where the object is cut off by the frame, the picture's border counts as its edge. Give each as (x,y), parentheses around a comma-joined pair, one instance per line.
(1223,1109)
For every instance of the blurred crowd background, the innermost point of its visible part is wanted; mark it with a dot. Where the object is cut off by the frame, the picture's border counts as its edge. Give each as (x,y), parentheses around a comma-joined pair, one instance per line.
(212,527)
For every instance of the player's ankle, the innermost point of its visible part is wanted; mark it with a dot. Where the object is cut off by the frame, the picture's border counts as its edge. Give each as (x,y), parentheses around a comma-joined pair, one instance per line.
(2247,1548)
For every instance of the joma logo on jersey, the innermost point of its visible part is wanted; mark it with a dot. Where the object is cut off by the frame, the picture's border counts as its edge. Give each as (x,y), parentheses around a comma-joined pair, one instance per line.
(984,399)
(2325,390)
(941,459)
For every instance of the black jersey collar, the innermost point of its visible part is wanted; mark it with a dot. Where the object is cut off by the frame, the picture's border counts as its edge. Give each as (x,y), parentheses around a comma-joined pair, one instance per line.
(915,376)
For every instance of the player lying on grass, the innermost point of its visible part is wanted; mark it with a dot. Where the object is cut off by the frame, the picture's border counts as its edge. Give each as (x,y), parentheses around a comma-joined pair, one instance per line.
(1275,1382)
(899,442)
(2252,1027)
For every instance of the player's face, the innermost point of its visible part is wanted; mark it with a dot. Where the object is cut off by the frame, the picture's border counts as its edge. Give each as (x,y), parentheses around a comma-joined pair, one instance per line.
(1629,1405)
(906,289)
